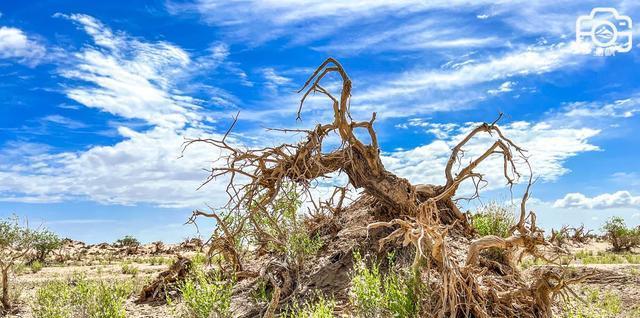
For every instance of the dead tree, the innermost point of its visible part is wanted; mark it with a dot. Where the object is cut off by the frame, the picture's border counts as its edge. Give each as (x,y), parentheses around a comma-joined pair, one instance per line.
(16,242)
(424,216)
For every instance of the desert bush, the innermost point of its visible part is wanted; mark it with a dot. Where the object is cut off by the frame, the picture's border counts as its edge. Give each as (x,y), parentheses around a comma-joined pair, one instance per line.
(129,269)
(44,243)
(81,297)
(621,237)
(322,308)
(99,299)
(205,295)
(493,219)
(596,305)
(393,294)
(36,266)
(130,242)
(53,300)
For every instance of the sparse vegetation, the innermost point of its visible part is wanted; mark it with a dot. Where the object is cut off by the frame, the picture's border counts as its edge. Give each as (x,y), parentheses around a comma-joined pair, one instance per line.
(36,266)
(493,219)
(598,305)
(322,308)
(129,269)
(81,297)
(392,294)
(620,236)
(204,294)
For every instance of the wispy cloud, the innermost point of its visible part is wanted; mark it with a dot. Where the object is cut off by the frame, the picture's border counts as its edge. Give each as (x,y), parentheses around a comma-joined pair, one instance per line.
(425,164)
(64,121)
(15,44)
(132,79)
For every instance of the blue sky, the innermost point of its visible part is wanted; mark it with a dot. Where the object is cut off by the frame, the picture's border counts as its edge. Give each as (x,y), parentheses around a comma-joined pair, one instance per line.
(97,98)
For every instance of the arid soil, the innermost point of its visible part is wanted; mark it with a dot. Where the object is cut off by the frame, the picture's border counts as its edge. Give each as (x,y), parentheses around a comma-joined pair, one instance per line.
(104,262)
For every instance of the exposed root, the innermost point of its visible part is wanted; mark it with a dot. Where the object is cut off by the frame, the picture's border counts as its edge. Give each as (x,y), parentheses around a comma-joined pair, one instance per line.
(166,282)
(424,217)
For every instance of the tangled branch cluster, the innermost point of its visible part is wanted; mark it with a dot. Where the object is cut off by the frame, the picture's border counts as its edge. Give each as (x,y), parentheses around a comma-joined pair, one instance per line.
(423,216)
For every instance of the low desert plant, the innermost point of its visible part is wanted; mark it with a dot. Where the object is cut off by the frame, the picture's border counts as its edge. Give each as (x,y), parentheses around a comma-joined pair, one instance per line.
(393,294)
(99,299)
(129,269)
(81,297)
(53,300)
(620,236)
(597,305)
(205,294)
(493,219)
(36,266)
(322,308)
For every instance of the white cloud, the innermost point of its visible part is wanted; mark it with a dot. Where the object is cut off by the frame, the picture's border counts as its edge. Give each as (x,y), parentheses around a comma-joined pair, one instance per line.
(619,199)
(64,121)
(131,79)
(458,87)
(503,88)
(425,164)
(143,168)
(14,43)
(622,108)
(273,80)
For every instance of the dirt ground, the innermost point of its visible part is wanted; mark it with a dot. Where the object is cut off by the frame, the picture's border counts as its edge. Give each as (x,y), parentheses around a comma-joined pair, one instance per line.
(620,279)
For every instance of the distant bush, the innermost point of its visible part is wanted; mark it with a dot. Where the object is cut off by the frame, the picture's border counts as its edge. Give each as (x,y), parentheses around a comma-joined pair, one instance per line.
(44,243)
(36,266)
(128,241)
(621,237)
(493,219)
(129,269)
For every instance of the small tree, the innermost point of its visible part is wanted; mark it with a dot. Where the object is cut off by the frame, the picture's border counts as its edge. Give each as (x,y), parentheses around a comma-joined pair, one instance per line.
(621,237)
(44,243)
(130,242)
(16,241)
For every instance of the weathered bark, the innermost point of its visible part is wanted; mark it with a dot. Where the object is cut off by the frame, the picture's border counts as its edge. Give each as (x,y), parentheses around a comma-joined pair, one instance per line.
(6,302)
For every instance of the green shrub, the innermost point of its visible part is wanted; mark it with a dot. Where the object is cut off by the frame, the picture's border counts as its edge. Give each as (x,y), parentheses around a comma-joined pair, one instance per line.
(621,237)
(322,308)
(53,300)
(129,269)
(391,295)
(99,299)
(204,295)
(493,219)
(36,266)
(82,298)
(597,305)
(366,288)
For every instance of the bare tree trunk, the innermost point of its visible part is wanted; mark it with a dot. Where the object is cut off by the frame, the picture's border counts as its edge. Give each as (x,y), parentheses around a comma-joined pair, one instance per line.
(6,303)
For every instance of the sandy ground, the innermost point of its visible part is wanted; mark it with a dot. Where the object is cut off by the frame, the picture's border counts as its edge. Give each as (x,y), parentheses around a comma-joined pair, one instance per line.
(29,282)
(620,279)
